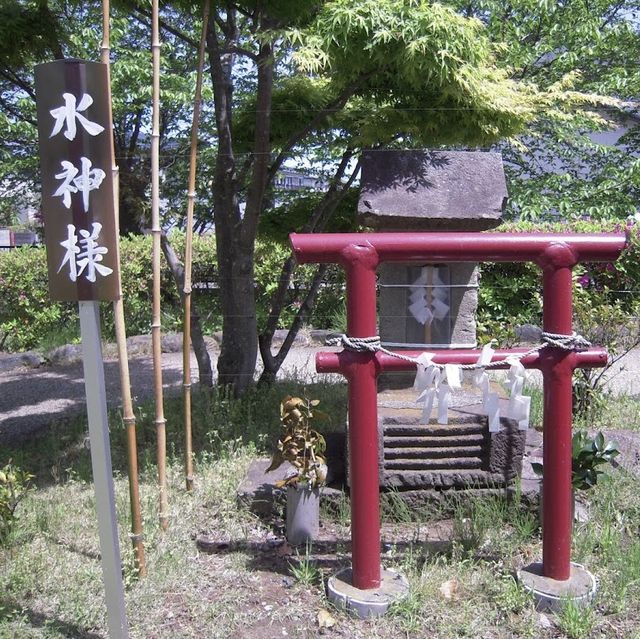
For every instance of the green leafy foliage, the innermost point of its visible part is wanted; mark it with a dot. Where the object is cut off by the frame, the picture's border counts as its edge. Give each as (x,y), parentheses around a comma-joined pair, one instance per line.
(418,70)
(292,216)
(29,319)
(36,32)
(606,310)
(27,29)
(511,294)
(588,454)
(14,485)
(27,316)
(296,99)
(558,167)
(607,318)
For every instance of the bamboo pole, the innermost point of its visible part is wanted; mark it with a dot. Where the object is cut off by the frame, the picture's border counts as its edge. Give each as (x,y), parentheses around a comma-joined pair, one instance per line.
(156,231)
(121,339)
(188,258)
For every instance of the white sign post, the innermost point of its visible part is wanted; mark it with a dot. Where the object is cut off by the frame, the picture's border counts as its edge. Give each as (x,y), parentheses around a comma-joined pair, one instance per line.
(101,465)
(74,128)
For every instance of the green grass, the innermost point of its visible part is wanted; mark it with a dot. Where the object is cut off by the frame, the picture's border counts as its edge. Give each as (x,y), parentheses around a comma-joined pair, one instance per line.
(50,574)
(304,568)
(220,422)
(613,412)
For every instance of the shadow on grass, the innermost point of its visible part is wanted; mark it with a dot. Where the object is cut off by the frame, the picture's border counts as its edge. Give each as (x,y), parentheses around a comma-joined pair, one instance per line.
(331,556)
(277,556)
(71,547)
(11,609)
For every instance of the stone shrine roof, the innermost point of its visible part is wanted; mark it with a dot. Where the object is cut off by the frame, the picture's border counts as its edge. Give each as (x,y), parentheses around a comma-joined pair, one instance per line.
(432,190)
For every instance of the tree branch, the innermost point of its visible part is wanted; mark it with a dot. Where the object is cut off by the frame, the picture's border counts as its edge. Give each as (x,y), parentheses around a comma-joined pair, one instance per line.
(240,51)
(318,220)
(205,372)
(338,103)
(14,78)
(261,146)
(16,113)
(220,68)
(272,363)
(133,140)
(144,13)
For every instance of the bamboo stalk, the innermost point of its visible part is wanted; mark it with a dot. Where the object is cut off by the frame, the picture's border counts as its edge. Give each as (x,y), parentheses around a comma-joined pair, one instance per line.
(121,339)
(188,258)
(156,231)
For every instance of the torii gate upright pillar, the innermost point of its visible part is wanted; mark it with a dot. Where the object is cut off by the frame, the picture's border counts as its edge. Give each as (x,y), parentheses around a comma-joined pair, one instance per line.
(557,368)
(360,263)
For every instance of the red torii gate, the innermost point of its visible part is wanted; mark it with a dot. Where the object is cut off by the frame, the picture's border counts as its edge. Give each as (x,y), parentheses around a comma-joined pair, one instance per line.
(360,254)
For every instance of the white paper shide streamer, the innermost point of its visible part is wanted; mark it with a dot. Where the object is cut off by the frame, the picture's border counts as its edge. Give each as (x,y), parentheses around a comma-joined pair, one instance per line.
(519,404)
(426,384)
(434,385)
(426,305)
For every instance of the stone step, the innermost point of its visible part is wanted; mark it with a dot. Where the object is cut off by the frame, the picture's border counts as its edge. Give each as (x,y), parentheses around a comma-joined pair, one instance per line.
(415,441)
(447,463)
(433,430)
(441,479)
(433,452)
(413,416)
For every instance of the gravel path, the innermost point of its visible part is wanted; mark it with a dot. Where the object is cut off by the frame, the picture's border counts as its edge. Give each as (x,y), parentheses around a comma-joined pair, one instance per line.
(33,398)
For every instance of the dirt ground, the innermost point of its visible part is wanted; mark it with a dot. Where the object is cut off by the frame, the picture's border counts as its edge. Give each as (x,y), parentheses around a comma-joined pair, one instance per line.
(31,398)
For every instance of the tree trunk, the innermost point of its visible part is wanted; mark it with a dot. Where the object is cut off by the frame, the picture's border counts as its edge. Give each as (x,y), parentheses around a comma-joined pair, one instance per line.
(205,372)
(236,233)
(239,351)
(318,220)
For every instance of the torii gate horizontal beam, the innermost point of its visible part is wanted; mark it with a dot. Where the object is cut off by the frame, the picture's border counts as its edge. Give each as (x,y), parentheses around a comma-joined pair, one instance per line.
(338,362)
(328,248)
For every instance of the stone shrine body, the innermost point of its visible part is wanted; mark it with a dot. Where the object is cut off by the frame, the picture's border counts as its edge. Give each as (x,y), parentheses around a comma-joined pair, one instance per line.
(431,307)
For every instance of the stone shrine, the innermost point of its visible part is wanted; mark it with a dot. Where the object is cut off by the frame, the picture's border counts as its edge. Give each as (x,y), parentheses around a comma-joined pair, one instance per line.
(433,306)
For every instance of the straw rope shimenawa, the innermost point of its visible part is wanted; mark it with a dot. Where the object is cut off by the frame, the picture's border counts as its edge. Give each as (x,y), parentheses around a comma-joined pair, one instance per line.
(188,257)
(121,338)
(373,344)
(156,231)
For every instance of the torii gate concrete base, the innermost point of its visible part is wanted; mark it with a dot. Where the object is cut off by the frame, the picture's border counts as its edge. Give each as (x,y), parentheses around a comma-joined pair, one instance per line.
(394,587)
(551,594)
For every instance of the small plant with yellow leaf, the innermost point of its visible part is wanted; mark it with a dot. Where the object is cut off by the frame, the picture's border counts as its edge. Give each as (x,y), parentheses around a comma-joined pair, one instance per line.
(14,485)
(302,446)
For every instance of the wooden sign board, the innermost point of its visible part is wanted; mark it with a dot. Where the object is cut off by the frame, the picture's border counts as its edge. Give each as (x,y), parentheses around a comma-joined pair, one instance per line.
(74,129)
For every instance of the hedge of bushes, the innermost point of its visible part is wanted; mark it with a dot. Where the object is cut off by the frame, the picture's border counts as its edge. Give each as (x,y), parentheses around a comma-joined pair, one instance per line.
(510,294)
(29,319)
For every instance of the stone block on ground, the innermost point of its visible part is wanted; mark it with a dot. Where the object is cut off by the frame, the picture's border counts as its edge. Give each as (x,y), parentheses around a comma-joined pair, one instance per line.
(66,354)
(172,342)
(28,359)
(257,490)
